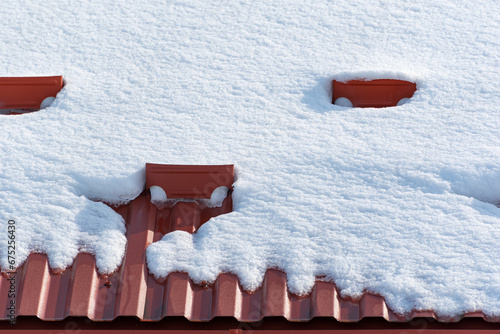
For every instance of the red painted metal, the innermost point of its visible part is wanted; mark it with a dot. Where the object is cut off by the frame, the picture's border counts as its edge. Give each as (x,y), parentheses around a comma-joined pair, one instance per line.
(80,291)
(375,93)
(132,292)
(189,181)
(256,331)
(28,92)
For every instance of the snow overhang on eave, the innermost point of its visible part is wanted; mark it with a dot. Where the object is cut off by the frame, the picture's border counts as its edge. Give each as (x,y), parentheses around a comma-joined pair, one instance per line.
(132,291)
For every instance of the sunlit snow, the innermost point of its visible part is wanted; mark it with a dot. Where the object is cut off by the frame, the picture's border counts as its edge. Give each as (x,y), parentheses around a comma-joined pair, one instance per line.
(398,201)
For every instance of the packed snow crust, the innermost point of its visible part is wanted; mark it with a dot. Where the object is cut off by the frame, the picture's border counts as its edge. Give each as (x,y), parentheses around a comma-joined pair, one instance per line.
(396,201)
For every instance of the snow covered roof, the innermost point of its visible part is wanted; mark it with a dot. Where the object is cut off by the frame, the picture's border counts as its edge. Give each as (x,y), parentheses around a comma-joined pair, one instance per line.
(132,292)
(396,201)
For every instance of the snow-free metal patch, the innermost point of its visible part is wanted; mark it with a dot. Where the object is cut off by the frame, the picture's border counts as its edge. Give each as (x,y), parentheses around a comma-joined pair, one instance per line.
(378,93)
(19,95)
(188,196)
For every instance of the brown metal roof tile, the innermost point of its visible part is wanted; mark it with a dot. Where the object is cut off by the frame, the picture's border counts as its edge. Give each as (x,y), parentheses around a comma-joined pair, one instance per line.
(80,291)
(180,181)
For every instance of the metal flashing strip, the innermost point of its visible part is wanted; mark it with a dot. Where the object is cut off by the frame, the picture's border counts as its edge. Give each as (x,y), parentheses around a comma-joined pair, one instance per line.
(180,181)
(379,93)
(30,93)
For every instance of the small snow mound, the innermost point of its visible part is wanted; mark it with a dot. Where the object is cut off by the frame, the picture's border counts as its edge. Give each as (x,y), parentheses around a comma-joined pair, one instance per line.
(343,102)
(47,102)
(403,101)
(483,186)
(218,196)
(178,242)
(113,190)
(158,195)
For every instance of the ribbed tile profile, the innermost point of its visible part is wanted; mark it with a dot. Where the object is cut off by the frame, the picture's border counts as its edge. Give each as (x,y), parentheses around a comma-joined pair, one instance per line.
(132,291)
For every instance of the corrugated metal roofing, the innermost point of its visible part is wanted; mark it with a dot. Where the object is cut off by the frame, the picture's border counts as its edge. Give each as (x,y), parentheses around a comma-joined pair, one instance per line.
(132,291)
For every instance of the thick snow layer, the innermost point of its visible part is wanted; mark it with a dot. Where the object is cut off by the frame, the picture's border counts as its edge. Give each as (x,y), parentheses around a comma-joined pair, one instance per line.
(397,201)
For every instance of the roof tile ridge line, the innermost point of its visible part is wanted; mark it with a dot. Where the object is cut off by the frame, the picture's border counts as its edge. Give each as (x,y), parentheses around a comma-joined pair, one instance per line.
(71,287)
(325,300)
(153,311)
(170,283)
(429,313)
(174,284)
(372,305)
(285,304)
(91,311)
(26,289)
(152,222)
(133,292)
(156,289)
(20,277)
(58,287)
(227,297)
(338,304)
(286,294)
(336,300)
(82,300)
(189,304)
(121,269)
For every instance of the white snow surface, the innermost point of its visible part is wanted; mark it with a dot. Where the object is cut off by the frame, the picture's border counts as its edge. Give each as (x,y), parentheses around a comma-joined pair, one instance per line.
(396,201)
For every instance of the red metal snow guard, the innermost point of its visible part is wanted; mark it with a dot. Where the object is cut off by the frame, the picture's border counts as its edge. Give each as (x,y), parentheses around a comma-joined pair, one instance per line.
(28,92)
(180,181)
(378,93)
(131,298)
